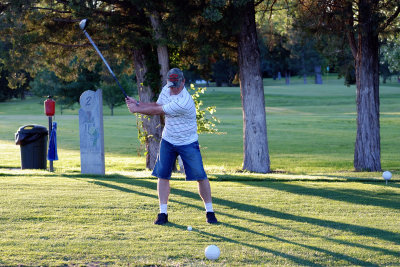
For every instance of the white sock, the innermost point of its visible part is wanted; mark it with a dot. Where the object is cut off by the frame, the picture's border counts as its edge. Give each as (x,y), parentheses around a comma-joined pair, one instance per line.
(163,208)
(209,207)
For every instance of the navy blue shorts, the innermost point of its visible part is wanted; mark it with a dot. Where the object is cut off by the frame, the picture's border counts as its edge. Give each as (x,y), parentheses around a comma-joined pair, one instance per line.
(190,155)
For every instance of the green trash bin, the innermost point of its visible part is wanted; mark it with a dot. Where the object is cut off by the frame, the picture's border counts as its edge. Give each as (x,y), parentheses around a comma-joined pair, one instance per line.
(33,143)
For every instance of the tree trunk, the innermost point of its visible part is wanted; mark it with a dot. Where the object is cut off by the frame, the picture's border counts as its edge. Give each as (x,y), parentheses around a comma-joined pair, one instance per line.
(367,147)
(22,93)
(255,143)
(162,50)
(318,74)
(163,61)
(287,77)
(150,123)
(303,66)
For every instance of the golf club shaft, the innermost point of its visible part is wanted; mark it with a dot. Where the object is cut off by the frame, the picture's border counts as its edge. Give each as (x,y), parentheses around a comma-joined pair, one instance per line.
(105,62)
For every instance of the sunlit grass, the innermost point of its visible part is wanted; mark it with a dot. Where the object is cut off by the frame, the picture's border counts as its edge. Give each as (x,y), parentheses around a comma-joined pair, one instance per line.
(313,209)
(69,218)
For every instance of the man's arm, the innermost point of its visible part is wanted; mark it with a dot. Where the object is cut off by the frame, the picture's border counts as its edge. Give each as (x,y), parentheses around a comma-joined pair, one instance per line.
(135,106)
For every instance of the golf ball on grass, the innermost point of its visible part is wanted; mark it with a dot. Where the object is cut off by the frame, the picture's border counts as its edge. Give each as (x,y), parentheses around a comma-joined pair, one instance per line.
(212,252)
(189,228)
(387,175)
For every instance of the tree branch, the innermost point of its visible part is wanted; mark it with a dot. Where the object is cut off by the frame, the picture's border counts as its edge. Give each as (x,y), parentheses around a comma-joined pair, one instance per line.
(68,45)
(258,2)
(65,2)
(391,19)
(66,20)
(51,9)
(349,28)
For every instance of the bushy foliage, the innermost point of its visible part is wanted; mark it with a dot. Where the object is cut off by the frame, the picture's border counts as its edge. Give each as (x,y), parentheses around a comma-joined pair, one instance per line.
(206,121)
(46,83)
(391,55)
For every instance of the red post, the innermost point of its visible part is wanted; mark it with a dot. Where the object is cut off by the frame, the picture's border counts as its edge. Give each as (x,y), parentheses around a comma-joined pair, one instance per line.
(50,110)
(49,107)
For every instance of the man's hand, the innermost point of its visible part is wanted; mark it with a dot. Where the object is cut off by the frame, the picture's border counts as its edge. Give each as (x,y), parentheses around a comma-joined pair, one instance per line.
(132,104)
(135,106)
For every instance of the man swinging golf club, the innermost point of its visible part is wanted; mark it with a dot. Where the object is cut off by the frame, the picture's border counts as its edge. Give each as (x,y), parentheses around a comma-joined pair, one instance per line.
(179,137)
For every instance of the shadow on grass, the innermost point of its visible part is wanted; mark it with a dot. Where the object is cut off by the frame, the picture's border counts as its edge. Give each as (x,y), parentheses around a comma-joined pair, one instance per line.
(9,167)
(335,255)
(295,259)
(360,197)
(354,229)
(241,176)
(342,242)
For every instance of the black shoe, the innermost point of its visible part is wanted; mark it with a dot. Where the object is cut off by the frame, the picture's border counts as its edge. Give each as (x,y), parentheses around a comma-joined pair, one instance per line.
(211,217)
(162,218)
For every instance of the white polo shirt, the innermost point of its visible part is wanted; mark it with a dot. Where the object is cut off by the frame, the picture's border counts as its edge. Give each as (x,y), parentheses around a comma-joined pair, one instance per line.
(180,117)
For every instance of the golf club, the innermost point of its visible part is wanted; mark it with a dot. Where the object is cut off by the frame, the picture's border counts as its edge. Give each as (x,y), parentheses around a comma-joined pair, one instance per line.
(82,24)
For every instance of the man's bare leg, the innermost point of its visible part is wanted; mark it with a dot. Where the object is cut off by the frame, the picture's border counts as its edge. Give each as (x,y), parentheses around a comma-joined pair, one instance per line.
(205,190)
(163,190)
(205,194)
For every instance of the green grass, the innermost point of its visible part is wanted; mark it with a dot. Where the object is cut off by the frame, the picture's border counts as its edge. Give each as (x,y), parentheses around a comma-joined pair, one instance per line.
(312,210)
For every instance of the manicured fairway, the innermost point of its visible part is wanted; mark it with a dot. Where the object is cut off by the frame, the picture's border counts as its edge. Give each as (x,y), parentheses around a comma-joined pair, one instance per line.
(56,219)
(312,210)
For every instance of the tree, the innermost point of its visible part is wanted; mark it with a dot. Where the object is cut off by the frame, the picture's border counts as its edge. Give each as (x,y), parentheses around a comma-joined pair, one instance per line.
(362,21)
(5,91)
(87,80)
(66,93)
(391,54)
(224,72)
(255,142)
(337,51)
(292,50)
(19,81)
(112,93)
(46,83)
(149,128)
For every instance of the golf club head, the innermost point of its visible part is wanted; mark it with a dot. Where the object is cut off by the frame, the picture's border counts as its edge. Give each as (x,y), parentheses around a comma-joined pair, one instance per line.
(83,24)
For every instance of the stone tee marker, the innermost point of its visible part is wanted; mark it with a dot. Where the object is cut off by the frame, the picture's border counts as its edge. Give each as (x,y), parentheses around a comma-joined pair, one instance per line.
(91,132)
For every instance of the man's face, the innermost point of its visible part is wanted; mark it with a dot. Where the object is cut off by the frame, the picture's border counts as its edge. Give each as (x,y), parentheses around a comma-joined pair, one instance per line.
(177,90)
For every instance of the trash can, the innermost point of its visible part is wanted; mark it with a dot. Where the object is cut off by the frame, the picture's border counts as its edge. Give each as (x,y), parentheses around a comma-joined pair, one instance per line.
(33,143)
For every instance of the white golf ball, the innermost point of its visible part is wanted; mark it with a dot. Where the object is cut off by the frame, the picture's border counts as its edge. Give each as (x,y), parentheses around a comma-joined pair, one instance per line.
(212,252)
(189,228)
(387,175)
